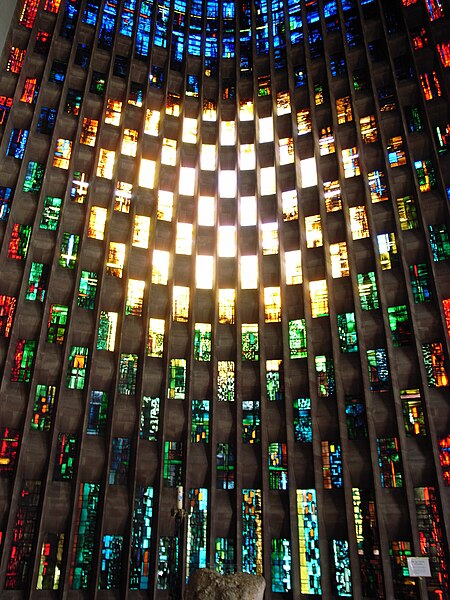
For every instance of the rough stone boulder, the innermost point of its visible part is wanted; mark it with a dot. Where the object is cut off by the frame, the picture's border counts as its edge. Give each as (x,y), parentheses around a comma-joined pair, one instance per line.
(206,584)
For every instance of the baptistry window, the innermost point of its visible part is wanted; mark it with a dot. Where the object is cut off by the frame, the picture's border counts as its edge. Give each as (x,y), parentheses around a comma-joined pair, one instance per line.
(97,222)
(250,341)
(210,109)
(227,302)
(297,339)
(378,370)
(76,368)
(188,180)
(63,152)
(57,323)
(98,413)
(129,142)
(426,175)
(274,380)
(29,96)
(326,382)
(204,272)
(358,222)
(268,181)
(420,282)
(249,272)
(344,110)
(15,60)
(319,298)
(107,328)
(368,129)
(227,133)
(135,297)
(332,195)
(251,422)
(434,361)
(87,290)
(7,309)
(265,130)
(122,197)
(79,189)
(331,465)
(73,102)
(106,161)
(348,335)
(308,172)
(69,250)
(278,479)
(286,146)
(44,401)
(444,458)
(19,242)
(225,381)
(326,141)
(180,303)
(17,143)
(289,205)
(439,242)
(65,457)
(200,421)
(89,132)
(252,542)
(396,152)
(248,211)
(389,462)
(177,379)
(367,288)
(128,366)
(152,120)
(50,213)
(226,241)
(33,177)
(247,158)
(147,173)
(313,231)
(308,536)
(413,415)
(377,185)
(28,13)
(113,111)
(430,85)
(269,238)
(339,260)
(293,267)
(37,282)
(225,467)
(120,461)
(155,339)
(23,360)
(355,416)
(160,267)
(141,231)
(169,152)
(350,161)
(272,305)
(165,206)
(387,249)
(245,110)
(202,341)
(399,325)
(208,157)
(116,259)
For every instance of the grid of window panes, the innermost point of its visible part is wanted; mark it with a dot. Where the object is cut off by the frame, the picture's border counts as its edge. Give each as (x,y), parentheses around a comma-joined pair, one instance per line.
(224,261)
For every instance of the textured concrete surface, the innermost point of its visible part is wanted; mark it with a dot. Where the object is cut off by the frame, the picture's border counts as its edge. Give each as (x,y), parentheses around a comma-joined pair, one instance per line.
(206,584)
(7,8)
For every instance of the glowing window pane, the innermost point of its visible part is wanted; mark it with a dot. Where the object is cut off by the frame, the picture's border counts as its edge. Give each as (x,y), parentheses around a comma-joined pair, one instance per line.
(308,172)
(249,272)
(97,222)
(107,329)
(135,297)
(113,112)
(272,304)
(169,152)
(180,303)
(187,181)
(141,231)
(151,125)
(293,266)
(339,260)
(206,211)
(265,130)
(248,211)
(226,242)
(147,173)
(160,267)
(313,230)
(227,184)
(227,301)
(165,206)
(190,130)
(129,142)
(358,222)
(204,272)
(106,161)
(319,298)
(155,339)
(116,259)
(268,181)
